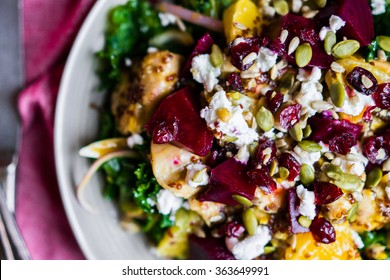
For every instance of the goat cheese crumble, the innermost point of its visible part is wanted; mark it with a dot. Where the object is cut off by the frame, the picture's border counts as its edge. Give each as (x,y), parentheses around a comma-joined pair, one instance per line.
(355,105)
(168,203)
(133,140)
(204,72)
(266,59)
(305,157)
(192,171)
(309,91)
(167,19)
(306,206)
(357,239)
(335,23)
(378,7)
(252,246)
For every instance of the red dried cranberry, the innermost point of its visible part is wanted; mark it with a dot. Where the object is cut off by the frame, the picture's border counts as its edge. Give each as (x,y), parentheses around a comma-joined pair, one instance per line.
(382,96)
(264,143)
(234,229)
(262,179)
(326,193)
(342,143)
(367,117)
(166,131)
(290,115)
(371,147)
(293,204)
(234,82)
(219,154)
(289,161)
(203,46)
(273,100)
(355,79)
(241,50)
(322,230)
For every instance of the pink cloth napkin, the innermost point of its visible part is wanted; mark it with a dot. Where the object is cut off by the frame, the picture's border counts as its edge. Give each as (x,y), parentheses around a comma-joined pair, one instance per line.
(49,28)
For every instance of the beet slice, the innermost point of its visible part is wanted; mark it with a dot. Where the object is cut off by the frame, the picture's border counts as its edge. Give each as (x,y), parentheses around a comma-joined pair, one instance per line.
(227,179)
(177,121)
(288,161)
(326,193)
(358,19)
(293,204)
(262,179)
(203,46)
(209,248)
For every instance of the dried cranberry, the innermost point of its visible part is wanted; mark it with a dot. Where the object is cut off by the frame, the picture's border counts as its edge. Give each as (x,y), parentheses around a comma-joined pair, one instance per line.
(382,96)
(260,155)
(326,193)
(262,179)
(273,100)
(342,143)
(242,49)
(203,46)
(166,131)
(234,229)
(357,77)
(288,161)
(367,117)
(234,82)
(322,230)
(371,147)
(293,204)
(219,154)
(290,115)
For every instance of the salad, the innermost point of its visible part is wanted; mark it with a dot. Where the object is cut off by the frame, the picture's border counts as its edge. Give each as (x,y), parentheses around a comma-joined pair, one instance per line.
(239,129)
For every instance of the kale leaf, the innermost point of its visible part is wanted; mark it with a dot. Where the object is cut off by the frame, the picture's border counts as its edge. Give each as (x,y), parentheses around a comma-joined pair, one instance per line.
(212,8)
(382,21)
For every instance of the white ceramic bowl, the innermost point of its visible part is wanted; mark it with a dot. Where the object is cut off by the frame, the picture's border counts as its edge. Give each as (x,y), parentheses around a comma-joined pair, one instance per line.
(98,234)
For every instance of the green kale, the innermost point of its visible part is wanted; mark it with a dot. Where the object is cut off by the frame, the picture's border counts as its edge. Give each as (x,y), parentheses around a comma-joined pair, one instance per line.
(107,128)
(146,187)
(372,49)
(382,22)
(212,8)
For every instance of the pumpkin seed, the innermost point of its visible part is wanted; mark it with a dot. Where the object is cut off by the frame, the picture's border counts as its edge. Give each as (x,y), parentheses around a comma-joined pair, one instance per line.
(198,177)
(304,221)
(216,56)
(384,42)
(281,7)
(283,173)
(337,94)
(329,41)
(250,221)
(296,132)
(349,182)
(374,177)
(320,3)
(334,172)
(306,175)
(252,148)
(307,131)
(269,249)
(309,146)
(303,55)
(345,48)
(265,119)
(351,215)
(242,200)
(235,95)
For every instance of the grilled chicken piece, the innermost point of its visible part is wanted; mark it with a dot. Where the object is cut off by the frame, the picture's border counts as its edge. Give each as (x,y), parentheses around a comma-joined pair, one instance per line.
(134,101)
(169,167)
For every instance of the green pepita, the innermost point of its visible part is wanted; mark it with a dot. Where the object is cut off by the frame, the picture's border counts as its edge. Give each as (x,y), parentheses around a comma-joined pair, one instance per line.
(304,221)
(345,48)
(384,42)
(269,249)
(250,221)
(351,215)
(242,200)
(307,175)
(374,177)
(334,172)
(265,119)
(235,95)
(198,177)
(309,146)
(307,131)
(296,132)
(349,182)
(330,41)
(252,148)
(320,3)
(337,94)
(303,55)
(281,7)
(283,173)
(216,56)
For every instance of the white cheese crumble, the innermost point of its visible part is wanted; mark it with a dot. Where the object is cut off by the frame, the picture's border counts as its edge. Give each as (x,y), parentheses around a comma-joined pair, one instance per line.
(378,7)
(310,89)
(133,140)
(306,206)
(305,157)
(204,72)
(355,105)
(357,239)
(192,170)
(335,23)
(252,246)
(266,59)
(167,19)
(235,128)
(324,30)
(349,166)
(168,203)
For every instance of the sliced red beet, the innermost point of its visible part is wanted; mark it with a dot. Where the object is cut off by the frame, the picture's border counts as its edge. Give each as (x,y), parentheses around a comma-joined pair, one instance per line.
(228,179)
(356,77)
(382,96)
(202,47)
(367,116)
(322,230)
(288,161)
(260,157)
(306,30)
(357,15)
(290,115)
(262,179)
(177,121)
(234,229)
(273,100)
(209,248)
(341,135)
(293,204)
(326,193)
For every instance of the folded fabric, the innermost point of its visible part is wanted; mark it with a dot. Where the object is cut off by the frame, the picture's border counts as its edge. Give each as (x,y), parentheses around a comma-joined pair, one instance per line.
(49,28)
